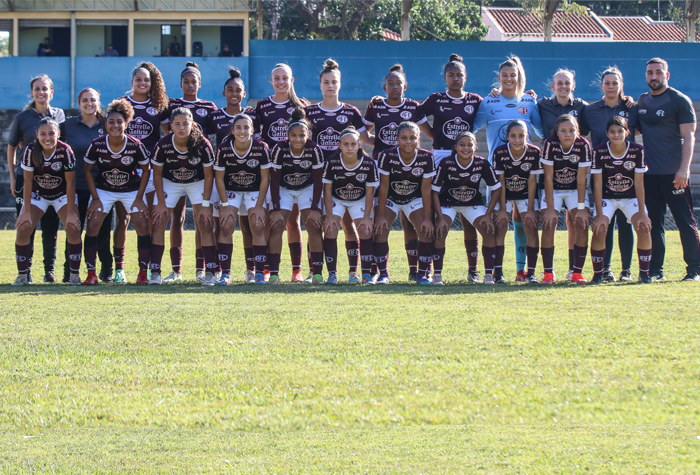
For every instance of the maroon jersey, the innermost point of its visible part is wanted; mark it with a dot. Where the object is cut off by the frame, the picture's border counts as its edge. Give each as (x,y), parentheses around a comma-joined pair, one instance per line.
(618,172)
(201,110)
(566,163)
(450,116)
(459,186)
(220,121)
(327,125)
(117,169)
(296,170)
(273,117)
(145,126)
(242,172)
(386,120)
(405,179)
(517,172)
(50,178)
(350,184)
(179,166)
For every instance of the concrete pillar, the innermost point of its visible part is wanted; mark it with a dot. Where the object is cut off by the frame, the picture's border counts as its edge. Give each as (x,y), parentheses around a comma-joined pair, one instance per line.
(15,36)
(73,46)
(188,37)
(131,37)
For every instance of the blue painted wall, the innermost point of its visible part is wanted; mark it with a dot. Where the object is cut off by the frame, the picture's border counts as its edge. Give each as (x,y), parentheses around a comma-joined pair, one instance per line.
(110,76)
(364,64)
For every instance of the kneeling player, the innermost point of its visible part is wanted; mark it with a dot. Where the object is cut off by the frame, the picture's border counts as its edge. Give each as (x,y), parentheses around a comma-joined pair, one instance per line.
(456,191)
(618,174)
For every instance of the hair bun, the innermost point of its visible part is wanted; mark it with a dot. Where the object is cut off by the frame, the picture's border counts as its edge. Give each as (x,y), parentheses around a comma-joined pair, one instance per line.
(455,58)
(191,64)
(397,68)
(298,114)
(330,64)
(235,73)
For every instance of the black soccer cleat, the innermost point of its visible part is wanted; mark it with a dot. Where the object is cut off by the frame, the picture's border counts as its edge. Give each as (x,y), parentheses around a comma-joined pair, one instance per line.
(596,279)
(608,276)
(499,279)
(644,279)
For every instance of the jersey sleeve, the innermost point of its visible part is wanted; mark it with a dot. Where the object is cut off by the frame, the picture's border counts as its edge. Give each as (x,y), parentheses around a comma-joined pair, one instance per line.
(420,117)
(596,166)
(91,153)
(15,134)
(498,163)
(27,160)
(536,120)
(429,171)
(69,160)
(439,177)
(317,161)
(356,120)
(383,161)
(537,165)
(547,158)
(372,176)
(207,153)
(585,161)
(265,161)
(489,176)
(480,117)
(426,108)
(256,121)
(369,118)
(141,154)
(219,164)
(158,159)
(326,177)
(640,165)
(276,158)
(685,112)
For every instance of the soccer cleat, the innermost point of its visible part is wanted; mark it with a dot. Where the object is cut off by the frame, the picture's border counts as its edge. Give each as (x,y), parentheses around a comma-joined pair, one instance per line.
(383,279)
(105,276)
(274,279)
(249,277)
(423,280)
(597,279)
(266,275)
(142,278)
(660,277)
(644,279)
(608,275)
(412,276)
(297,276)
(200,276)
(691,277)
(521,276)
(488,279)
(74,279)
(317,279)
(260,278)
(568,275)
(156,279)
(173,277)
(92,278)
(49,278)
(474,277)
(499,279)
(209,279)
(367,279)
(225,279)
(353,278)
(437,279)
(66,277)
(148,274)
(119,276)
(626,275)
(309,278)
(577,278)
(20,280)
(548,278)
(332,278)
(531,279)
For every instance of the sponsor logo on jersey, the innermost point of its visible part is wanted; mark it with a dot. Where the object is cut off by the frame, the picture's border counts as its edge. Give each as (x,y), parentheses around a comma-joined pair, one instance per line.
(641,111)
(511,106)
(56,166)
(281,106)
(202,112)
(296,179)
(152,111)
(629,165)
(462,194)
(127,160)
(184,174)
(523,110)
(393,110)
(417,171)
(566,175)
(115,177)
(404,188)
(242,178)
(469,109)
(619,183)
(138,106)
(457,101)
(328,139)
(388,134)
(617,162)
(516,183)
(350,192)
(452,128)
(48,182)
(139,128)
(278,130)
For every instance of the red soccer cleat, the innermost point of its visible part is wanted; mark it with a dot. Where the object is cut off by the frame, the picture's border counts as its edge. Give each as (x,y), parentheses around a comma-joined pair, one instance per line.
(297,276)
(577,278)
(266,275)
(142,279)
(521,276)
(91,278)
(548,278)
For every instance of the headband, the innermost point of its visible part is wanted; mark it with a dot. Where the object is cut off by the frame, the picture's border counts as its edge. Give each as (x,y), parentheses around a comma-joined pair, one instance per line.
(292,124)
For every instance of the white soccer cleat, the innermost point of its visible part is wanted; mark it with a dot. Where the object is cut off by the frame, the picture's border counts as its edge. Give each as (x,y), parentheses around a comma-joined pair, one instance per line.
(173,277)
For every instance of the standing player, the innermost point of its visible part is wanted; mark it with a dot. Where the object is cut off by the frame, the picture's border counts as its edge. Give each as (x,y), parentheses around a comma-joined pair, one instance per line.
(496,113)
(517,165)
(23,132)
(454,112)
(385,115)
(328,118)
(242,169)
(349,178)
(618,174)
(455,190)
(296,180)
(273,114)
(182,163)
(117,155)
(667,121)
(566,157)
(405,175)
(49,165)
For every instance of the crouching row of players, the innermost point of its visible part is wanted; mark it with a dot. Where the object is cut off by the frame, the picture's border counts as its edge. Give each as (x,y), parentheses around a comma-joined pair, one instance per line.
(236,180)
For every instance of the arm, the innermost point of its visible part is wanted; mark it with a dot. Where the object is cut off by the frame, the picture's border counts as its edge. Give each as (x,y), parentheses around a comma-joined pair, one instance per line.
(643,223)
(380,222)
(72,218)
(550,217)
(25,215)
(427,196)
(599,224)
(582,213)
(683,173)
(139,204)
(205,214)
(427,129)
(161,211)
(502,213)
(366,138)
(11,150)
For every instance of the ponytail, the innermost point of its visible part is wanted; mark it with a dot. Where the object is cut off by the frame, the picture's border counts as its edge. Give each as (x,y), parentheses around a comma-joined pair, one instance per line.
(514,62)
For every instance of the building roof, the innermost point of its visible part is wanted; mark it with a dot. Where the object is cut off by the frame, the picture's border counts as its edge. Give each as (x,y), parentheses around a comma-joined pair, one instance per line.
(390,35)
(519,22)
(643,28)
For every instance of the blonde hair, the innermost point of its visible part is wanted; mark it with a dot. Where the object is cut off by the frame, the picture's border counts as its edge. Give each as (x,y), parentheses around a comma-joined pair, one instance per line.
(514,62)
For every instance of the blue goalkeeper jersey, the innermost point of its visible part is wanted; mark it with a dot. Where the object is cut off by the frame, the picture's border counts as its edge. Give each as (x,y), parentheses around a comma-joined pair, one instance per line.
(496,112)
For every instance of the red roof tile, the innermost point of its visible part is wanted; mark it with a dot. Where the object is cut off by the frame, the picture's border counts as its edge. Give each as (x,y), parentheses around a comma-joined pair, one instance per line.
(640,28)
(390,35)
(519,22)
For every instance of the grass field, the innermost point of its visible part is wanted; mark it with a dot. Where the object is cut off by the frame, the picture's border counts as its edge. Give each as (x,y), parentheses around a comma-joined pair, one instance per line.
(292,378)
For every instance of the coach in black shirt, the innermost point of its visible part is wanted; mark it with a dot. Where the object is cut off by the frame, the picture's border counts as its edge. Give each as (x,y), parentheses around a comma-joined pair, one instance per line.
(667,121)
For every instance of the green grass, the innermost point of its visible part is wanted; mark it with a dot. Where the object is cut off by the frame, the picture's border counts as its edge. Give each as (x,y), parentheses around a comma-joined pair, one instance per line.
(292,378)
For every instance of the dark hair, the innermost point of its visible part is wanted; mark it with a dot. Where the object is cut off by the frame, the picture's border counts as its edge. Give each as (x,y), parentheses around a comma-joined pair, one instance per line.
(617,120)
(461,135)
(514,62)
(516,123)
(157,94)
(408,125)
(121,106)
(99,115)
(234,74)
(298,117)
(615,71)
(660,61)
(230,136)
(191,67)
(37,150)
(328,66)
(455,61)
(398,70)
(32,103)
(293,99)
(565,118)
(351,130)
(196,136)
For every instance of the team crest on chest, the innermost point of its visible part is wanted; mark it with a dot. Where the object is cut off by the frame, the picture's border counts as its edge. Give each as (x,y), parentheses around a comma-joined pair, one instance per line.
(202,112)
(56,166)
(343,119)
(629,165)
(417,171)
(152,111)
(405,115)
(127,160)
(469,109)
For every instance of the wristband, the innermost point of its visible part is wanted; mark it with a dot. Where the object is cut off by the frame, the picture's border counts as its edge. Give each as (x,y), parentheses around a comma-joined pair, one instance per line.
(581,206)
(206,203)
(223,205)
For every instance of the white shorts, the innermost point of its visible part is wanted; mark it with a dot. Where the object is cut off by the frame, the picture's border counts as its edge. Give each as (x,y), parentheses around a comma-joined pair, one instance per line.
(520,205)
(439,154)
(243,200)
(302,198)
(150,188)
(108,198)
(471,213)
(629,206)
(566,197)
(356,209)
(174,191)
(43,204)
(407,209)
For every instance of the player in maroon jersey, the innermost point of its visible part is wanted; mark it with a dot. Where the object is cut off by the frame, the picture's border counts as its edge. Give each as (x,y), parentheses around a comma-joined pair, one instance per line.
(241,168)
(49,165)
(455,190)
(618,183)
(349,178)
(453,112)
(405,175)
(384,116)
(117,155)
(297,168)
(517,165)
(182,163)
(329,118)
(273,114)
(566,157)
(190,82)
